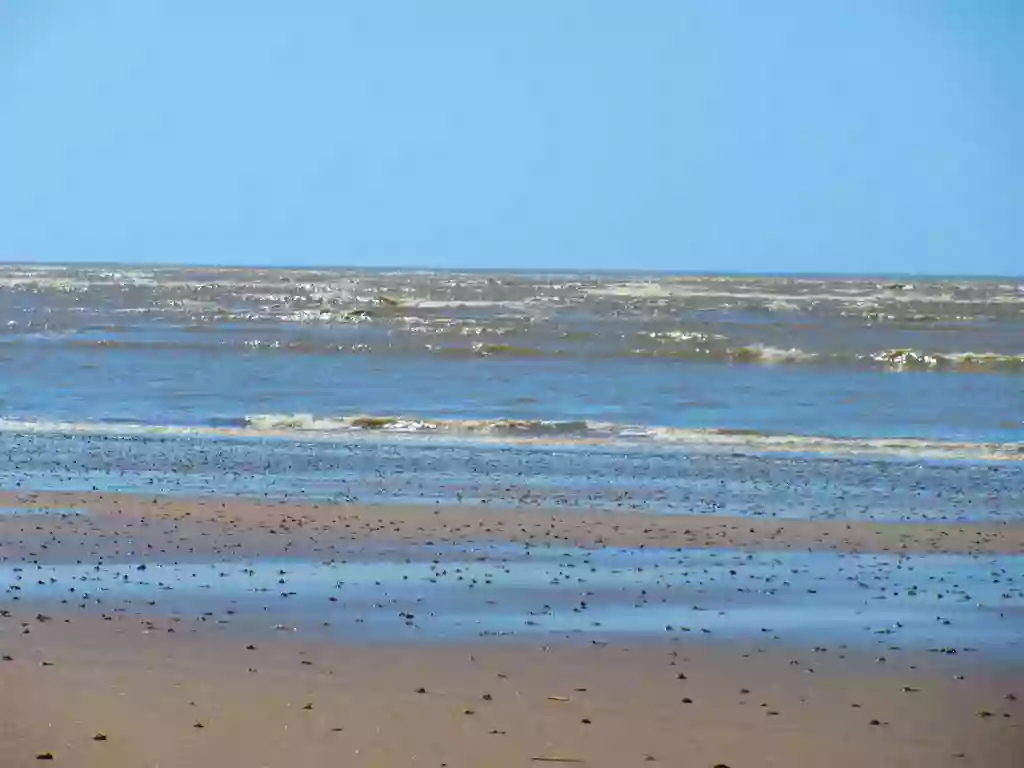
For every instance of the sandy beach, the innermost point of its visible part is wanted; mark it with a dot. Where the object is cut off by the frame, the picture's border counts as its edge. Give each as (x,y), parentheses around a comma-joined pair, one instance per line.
(127,693)
(511,385)
(108,679)
(213,525)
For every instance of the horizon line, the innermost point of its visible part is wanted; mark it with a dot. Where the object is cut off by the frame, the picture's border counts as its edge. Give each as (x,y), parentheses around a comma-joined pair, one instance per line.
(650,271)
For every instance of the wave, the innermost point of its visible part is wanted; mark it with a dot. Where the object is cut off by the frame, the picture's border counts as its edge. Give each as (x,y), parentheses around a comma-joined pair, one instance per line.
(310,427)
(912,359)
(766,354)
(363,422)
(775,294)
(683,346)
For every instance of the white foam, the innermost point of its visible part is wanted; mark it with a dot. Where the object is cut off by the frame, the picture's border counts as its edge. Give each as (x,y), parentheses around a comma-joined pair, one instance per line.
(903,359)
(768,354)
(306,426)
(682,335)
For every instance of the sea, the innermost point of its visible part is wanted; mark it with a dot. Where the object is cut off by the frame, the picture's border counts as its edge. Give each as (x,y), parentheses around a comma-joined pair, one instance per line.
(784,396)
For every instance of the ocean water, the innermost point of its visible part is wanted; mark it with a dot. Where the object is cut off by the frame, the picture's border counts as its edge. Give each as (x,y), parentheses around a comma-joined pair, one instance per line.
(757,395)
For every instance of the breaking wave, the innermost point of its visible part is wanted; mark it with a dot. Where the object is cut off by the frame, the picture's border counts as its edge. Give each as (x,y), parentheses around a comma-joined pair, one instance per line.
(310,427)
(912,359)
(682,346)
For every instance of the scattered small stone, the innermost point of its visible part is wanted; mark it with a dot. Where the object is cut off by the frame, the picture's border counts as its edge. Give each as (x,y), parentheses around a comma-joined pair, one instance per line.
(99,737)
(44,756)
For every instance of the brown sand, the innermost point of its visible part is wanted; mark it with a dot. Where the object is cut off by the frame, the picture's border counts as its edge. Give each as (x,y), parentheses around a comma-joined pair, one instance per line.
(155,524)
(146,691)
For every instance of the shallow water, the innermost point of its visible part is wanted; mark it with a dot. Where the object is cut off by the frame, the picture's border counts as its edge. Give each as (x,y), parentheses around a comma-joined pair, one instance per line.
(461,592)
(566,477)
(38,511)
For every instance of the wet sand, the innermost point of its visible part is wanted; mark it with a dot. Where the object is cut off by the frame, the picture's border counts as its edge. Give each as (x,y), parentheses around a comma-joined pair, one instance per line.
(181,525)
(210,688)
(193,698)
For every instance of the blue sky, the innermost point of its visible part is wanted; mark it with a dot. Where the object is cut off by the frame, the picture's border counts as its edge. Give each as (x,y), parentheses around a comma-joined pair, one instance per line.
(835,136)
